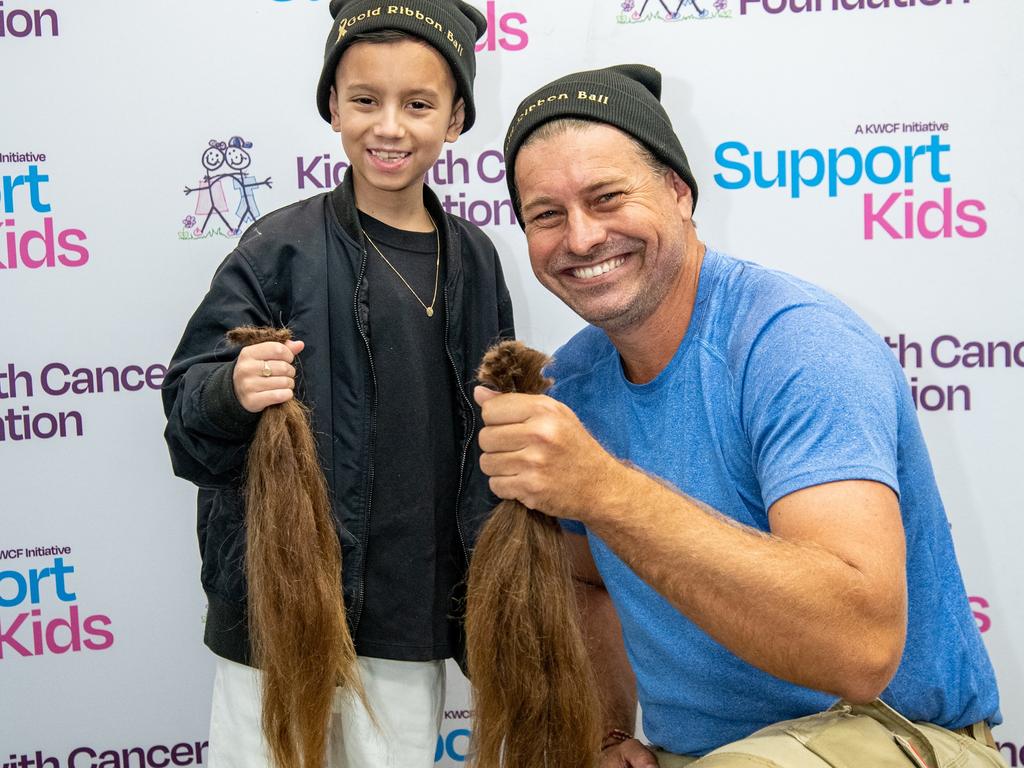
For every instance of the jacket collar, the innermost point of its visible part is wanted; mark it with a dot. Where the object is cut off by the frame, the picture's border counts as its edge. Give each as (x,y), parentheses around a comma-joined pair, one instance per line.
(343,201)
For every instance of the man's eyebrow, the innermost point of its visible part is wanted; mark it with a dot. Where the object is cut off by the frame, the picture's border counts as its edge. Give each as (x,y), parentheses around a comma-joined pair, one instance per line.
(600,183)
(587,190)
(538,201)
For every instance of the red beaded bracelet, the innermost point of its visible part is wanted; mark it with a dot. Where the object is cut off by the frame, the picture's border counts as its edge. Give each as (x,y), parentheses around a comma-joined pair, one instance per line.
(614,737)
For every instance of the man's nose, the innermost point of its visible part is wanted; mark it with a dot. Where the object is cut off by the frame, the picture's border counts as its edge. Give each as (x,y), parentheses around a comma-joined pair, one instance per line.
(583,231)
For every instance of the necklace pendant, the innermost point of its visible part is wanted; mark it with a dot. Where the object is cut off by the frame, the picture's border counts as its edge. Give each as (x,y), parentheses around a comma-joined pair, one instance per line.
(430,311)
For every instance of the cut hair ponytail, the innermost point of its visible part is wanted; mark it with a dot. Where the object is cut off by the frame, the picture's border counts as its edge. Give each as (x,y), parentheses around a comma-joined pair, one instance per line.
(299,635)
(535,698)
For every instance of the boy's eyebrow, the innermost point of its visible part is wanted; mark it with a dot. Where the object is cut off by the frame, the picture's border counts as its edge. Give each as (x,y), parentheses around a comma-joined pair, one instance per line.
(360,87)
(422,91)
(419,91)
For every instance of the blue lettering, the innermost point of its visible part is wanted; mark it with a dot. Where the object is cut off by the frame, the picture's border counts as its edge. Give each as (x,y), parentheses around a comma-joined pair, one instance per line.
(833,163)
(780,176)
(894,156)
(33,179)
(807,168)
(457,755)
(937,149)
(720,158)
(28,586)
(20,589)
(796,159)
(59,571)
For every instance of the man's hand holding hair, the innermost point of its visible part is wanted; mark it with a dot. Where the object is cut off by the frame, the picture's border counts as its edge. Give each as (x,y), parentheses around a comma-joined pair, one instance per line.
(536,450)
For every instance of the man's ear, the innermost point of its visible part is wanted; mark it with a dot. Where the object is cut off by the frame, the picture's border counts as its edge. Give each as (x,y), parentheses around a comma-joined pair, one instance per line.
(335,116)
(457,121)
(684,196)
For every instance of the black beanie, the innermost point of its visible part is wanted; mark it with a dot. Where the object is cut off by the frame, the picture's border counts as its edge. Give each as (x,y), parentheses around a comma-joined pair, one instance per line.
(451,27)
(626,96)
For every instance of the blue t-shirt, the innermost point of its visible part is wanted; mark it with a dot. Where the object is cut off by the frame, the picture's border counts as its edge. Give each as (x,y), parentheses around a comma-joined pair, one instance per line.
(775,387)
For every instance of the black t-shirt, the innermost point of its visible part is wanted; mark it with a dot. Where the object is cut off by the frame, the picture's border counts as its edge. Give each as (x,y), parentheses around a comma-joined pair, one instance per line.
(413,551)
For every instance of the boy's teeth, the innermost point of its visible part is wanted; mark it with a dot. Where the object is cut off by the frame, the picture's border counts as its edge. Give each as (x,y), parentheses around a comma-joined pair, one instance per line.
(599,269)
(388,155)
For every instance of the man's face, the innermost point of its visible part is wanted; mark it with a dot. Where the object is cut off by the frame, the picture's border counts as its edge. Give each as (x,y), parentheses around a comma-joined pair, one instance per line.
(606,234)
(393,105)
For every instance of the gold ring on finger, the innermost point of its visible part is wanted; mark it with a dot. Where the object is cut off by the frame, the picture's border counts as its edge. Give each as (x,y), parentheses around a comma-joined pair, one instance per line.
(266,369)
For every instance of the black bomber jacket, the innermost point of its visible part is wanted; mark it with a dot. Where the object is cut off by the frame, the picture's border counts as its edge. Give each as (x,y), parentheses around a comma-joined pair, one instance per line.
(303,267)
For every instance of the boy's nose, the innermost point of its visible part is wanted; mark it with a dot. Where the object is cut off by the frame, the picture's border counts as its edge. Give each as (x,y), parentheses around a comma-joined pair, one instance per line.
(389,125)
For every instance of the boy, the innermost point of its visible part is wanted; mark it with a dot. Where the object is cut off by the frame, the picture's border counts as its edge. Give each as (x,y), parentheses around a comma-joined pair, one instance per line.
(392,303)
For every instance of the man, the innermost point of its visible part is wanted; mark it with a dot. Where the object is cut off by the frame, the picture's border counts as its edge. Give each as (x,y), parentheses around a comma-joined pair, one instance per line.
(743,457)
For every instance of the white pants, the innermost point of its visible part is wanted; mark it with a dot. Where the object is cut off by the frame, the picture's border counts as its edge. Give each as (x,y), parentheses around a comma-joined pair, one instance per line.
(407,698)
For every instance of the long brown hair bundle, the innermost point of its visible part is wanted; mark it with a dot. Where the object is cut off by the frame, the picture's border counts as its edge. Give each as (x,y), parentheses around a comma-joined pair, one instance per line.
(535,696)
(297,625)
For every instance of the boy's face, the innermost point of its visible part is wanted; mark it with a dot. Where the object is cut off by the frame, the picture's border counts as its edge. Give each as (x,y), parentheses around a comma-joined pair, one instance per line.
(392,103)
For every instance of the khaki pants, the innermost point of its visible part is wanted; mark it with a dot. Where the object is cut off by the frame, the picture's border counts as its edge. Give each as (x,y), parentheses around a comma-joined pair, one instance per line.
(850,736)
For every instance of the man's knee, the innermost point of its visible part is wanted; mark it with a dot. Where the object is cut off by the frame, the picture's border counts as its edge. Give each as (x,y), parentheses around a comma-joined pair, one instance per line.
(737,760)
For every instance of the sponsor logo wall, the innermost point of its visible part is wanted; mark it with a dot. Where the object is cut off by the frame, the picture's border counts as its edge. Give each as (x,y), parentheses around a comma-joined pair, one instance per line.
(865,145)
(32,239)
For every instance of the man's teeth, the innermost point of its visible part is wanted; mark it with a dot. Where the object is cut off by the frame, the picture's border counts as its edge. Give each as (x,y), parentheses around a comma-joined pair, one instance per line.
(599,269)
(388,156)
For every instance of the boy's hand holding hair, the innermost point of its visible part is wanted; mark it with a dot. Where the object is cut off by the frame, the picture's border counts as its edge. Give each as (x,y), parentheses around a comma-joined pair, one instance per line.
(265,375)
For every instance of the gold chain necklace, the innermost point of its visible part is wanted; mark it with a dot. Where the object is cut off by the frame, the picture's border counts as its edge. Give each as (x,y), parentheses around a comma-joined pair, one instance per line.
(437,269)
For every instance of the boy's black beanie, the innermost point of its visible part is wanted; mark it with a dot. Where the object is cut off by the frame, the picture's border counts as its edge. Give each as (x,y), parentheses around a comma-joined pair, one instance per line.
(451,27)
(626,96)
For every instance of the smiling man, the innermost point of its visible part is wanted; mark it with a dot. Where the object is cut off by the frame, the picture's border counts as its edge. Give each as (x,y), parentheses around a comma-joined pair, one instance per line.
(763,554)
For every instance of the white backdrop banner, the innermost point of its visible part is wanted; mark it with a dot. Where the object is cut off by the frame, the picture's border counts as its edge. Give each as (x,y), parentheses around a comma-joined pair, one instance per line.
(865,145)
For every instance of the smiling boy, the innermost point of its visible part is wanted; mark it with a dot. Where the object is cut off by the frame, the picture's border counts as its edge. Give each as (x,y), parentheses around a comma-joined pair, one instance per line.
(392,302)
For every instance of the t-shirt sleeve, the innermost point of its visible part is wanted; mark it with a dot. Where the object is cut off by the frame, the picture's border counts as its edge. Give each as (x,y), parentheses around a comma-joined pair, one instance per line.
(819,403)
(573,526)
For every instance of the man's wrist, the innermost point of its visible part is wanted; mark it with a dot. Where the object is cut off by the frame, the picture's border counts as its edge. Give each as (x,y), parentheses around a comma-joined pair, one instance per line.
(615,498)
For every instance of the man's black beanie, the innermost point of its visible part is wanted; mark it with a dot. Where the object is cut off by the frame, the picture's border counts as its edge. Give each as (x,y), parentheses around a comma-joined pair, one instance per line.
(451,27)
(626,96)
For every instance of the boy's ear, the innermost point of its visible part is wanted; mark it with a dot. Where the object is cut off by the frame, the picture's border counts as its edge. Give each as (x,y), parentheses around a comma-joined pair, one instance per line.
(335,117)
(457,121)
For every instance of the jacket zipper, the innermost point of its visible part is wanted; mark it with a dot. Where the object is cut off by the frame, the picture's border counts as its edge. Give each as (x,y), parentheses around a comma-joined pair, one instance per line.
(472,429)
(361,596)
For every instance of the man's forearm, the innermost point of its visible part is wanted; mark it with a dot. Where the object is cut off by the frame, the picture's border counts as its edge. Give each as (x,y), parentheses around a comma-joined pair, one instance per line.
(792,608)
(821,601)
